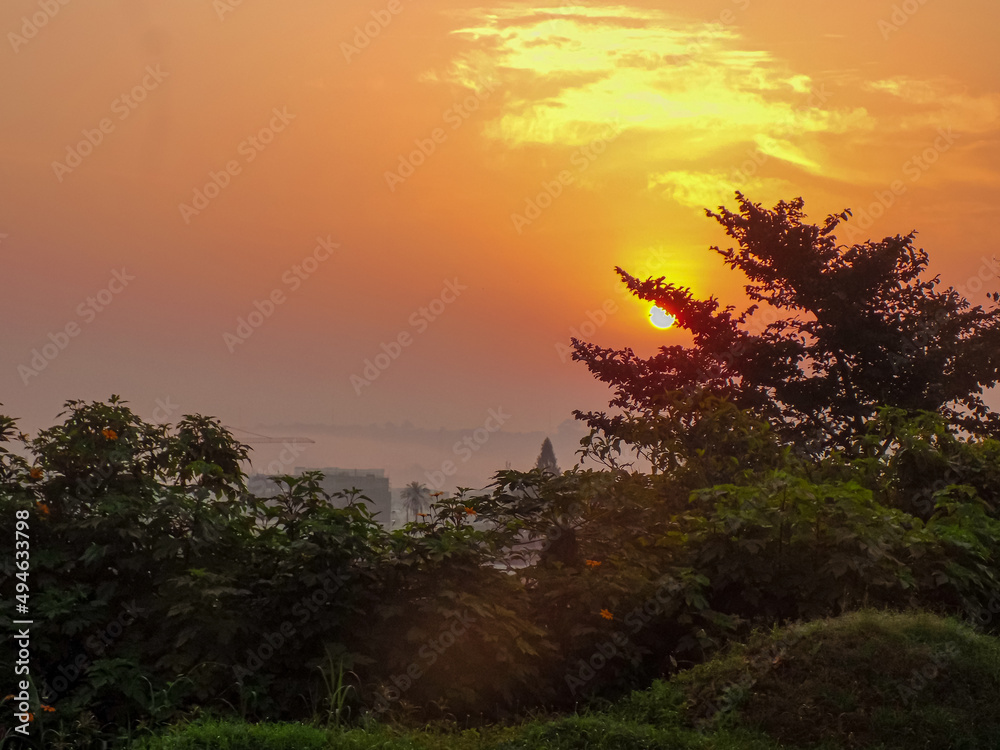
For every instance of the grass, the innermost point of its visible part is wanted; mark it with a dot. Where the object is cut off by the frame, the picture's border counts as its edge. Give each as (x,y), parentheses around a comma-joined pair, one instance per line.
(872,680)
(568,733)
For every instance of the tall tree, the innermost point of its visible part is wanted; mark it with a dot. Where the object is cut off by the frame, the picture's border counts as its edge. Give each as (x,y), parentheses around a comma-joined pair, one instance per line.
(547,458)
(857,327)
(415,499)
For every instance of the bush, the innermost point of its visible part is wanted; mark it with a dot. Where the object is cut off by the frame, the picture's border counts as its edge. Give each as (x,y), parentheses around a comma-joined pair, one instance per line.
(164,590)
(866,679)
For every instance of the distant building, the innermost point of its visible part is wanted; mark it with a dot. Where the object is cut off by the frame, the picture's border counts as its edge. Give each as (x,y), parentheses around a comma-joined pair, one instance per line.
(373,483)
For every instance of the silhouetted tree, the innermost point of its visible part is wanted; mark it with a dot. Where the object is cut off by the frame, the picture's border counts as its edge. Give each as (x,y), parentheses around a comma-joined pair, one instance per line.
(547,458)
(415,499)
(855,328)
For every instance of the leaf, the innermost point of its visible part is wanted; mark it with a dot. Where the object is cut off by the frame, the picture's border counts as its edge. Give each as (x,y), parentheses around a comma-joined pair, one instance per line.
(94,552)
(525,647)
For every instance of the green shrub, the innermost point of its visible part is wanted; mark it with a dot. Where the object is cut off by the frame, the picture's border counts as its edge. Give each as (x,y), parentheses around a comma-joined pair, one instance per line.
(866,679)
(164,590)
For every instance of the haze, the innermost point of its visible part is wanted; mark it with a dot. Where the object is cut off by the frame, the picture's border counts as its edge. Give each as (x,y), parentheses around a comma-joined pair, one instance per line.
(373,223)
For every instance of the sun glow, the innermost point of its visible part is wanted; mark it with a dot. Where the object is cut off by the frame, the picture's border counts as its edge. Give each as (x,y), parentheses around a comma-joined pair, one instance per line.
(661,318)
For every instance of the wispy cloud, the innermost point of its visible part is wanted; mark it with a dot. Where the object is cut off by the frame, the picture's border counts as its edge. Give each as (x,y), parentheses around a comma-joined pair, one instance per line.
(709,189)
(572,69)
(922,103)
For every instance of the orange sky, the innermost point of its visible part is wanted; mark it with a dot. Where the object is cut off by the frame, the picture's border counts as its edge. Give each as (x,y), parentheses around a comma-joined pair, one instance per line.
(415,155)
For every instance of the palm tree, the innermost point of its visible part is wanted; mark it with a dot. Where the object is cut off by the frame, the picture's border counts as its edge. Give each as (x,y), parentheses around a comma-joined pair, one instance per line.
(414,498)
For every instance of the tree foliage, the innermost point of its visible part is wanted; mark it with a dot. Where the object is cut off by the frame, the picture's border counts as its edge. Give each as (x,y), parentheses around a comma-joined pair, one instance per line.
(415,497)
(857,328)
(546,460)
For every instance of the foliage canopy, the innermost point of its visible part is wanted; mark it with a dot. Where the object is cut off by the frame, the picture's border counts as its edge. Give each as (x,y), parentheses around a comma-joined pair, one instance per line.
(855,328)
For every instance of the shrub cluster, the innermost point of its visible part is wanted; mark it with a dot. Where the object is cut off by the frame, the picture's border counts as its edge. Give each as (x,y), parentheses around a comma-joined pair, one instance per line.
(161,589)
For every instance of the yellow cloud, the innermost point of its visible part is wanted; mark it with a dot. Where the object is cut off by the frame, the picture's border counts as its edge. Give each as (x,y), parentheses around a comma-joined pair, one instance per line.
(573,69)
(701,190)
(781,149)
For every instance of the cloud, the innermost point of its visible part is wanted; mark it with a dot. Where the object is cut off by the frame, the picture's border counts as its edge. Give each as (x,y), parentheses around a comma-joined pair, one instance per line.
(786,151)
(573,69)
(701,190)
(930,103)
(695,97)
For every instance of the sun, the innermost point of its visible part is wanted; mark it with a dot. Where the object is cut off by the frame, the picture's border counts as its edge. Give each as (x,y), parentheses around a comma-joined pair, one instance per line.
(661,318)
